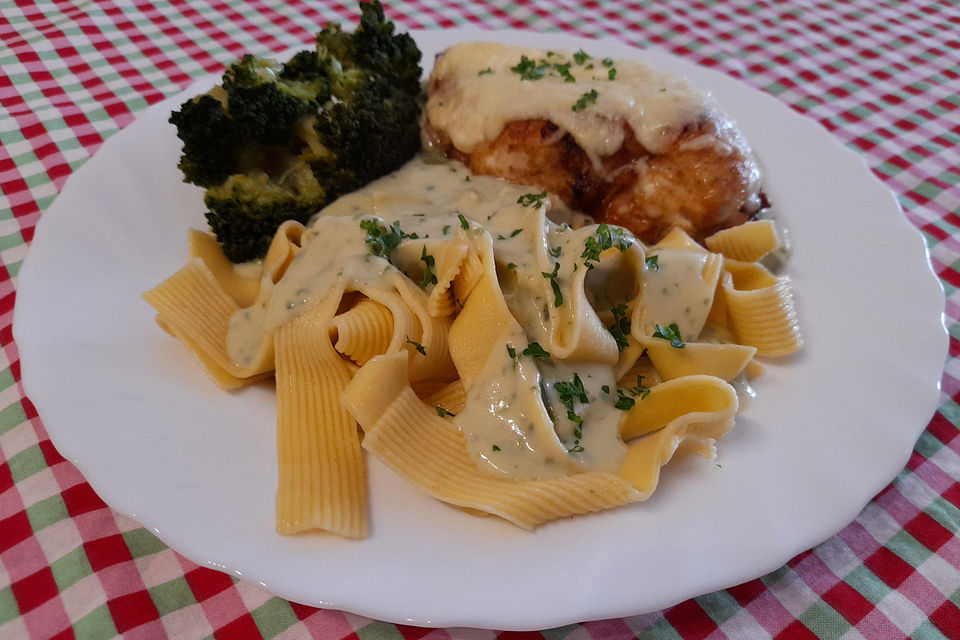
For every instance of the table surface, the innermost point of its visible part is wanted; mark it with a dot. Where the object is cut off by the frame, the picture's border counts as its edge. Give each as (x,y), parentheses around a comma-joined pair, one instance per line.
(882,76)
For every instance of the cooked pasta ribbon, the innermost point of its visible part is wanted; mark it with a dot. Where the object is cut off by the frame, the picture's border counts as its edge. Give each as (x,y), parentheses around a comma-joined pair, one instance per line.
(243,288)
(450,258)
(363,331)
(450,396)
(322,473)
(725,361)
(761,309)
(706,399)
(409,437)
(192,306)
(748,242)
(477,339)
(689,413)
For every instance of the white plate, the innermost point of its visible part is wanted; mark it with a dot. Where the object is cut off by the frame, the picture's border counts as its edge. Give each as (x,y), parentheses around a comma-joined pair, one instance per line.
(158,441)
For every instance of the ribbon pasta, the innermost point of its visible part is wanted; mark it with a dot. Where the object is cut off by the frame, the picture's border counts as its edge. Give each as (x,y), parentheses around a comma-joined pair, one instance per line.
(504,364)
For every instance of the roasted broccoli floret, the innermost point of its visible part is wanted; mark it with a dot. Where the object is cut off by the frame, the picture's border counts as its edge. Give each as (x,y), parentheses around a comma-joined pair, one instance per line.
(245,211)
(279,141)
(264,105)
(306,67)
(373,126)
(377,117)
(210,144)
(373,47)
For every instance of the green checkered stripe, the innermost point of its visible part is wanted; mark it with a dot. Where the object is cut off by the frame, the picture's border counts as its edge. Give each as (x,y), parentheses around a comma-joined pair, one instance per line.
(882,76)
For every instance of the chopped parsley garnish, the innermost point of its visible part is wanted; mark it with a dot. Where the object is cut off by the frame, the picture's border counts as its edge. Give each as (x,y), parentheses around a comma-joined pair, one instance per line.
(564,71)
(552,276)
(496,448)
(534,350)
(557,295)
(640,390)
(532,199)
(382,240)
(443,412)
(536,69)
(463,221)
(515,232)
(446,229)
(528,69)
(555,252)
(429,262)
(603,239)
(570,392)
(605,388)
(466,178)
(620,329)
(624,402)
(612,74)
(652,263)
(581,56)
(417,346)
(511,351)
(584,100)
(671,333)
(607,62)
(511,266)
(485,71)
(576,447)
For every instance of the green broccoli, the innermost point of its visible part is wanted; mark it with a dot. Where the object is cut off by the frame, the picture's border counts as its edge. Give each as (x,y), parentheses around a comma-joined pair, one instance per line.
(279,141)
(373,47)
(245,211)
(264,105)
(210,145)
(377,117)
(305,67)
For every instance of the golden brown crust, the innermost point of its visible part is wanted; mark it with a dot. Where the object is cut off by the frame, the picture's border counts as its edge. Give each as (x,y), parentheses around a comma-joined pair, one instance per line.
(702,183)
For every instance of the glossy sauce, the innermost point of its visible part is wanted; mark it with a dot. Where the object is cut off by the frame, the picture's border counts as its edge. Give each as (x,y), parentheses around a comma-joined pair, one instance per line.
(471,80)
(676,292)
(514,420)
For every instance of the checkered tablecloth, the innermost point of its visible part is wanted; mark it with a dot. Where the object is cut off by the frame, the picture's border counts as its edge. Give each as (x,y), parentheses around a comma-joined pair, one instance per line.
(882,75)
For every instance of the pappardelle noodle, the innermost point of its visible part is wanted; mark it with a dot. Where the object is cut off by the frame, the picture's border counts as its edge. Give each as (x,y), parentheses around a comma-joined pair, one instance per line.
(501,361)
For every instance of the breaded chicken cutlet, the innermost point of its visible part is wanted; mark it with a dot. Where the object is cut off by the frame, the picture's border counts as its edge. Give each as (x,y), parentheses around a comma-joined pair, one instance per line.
(617,140)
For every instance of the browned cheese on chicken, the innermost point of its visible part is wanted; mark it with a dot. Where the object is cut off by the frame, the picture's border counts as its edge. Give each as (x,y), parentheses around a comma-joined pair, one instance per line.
(633,147)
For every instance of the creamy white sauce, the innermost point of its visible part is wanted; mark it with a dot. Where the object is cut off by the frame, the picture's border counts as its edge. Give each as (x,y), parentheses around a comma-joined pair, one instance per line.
(514,421)
(676,292)
(477,88)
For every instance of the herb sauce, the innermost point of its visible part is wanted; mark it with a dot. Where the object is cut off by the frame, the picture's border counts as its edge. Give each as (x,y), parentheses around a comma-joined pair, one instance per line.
(514,420)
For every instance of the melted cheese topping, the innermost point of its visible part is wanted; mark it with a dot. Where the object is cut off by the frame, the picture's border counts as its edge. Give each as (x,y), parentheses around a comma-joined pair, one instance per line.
(478,87)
